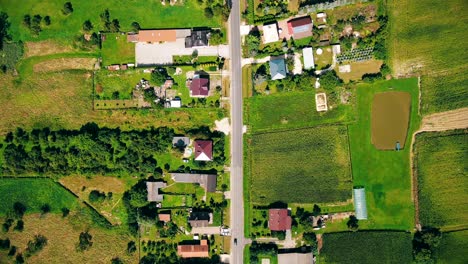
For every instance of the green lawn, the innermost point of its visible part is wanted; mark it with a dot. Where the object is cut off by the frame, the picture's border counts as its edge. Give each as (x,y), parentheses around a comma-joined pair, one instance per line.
(426,43)
(453,248)
(384,174)
(366,247)
(116,50)
(301,166)
(442,175)
(292,110)
(123,82)
(34,193)
(150,14)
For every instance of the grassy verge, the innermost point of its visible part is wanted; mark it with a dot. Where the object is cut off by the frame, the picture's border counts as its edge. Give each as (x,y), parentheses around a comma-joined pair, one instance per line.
(247,87)
(440,160)
(386,176)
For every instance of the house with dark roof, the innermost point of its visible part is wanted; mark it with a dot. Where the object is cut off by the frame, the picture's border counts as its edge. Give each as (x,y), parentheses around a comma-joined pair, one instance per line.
(277,69)
(300,27)
(199,250)
(156,36)
(153,191)
(203,150)
(206,181)
(200,84)
(199,219)
(279,220)
(198,38)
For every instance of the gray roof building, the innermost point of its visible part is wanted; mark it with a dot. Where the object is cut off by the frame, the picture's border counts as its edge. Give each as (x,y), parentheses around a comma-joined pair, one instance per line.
(277,69)
(199,219)
(207,181)
(153,191)
(360,203)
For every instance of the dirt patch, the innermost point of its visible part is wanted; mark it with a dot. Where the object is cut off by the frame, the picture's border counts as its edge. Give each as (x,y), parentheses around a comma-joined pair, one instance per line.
(390,119)
(223,125)
(45,47)
(455,119)
(65,64)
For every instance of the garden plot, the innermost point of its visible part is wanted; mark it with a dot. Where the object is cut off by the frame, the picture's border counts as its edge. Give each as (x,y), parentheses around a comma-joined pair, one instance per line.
(357,55)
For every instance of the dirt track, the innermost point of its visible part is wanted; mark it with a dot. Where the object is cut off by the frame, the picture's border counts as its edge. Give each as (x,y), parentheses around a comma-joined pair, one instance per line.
(449,120)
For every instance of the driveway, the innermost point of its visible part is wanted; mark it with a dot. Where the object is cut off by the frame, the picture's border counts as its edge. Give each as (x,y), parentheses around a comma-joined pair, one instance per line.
(209,230)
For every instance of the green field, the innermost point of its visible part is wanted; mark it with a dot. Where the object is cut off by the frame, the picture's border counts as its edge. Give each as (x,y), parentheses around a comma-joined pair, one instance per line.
(442,178)
(384,174)
(427,43)
(453,248)
(300,166)
(34,193)
(150,14)
(366,247)
(116,49)
(123,82)
(291,110)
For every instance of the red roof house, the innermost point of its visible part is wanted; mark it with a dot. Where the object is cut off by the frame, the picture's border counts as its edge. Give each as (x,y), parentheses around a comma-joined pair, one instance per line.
(300,27)
(199,87)
(194,251)
(279,220)
(203,150)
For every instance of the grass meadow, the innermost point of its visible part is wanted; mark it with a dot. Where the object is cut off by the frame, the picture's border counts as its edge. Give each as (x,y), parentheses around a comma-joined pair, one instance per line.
(116,50)
(300,166)
(452,249)
(440,162)
(149,14)
(366,247)
(386,175)
(291,110)
(430,44)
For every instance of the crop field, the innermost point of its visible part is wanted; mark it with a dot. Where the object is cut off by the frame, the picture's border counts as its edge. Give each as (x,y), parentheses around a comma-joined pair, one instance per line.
(291,110)
(34,193)
(64,28)
(442,178)
(452,249)
(116,50)
(300,166)
(387,175)
(390,118)
(428,43)
(366,247)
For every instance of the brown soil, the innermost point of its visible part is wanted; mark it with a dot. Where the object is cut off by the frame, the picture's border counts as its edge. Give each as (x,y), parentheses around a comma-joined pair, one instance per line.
(46,47)
(455,119)
(65,64)
(390,119)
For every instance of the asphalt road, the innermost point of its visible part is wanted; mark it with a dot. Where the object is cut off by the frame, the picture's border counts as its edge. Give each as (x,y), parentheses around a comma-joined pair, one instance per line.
(237,202)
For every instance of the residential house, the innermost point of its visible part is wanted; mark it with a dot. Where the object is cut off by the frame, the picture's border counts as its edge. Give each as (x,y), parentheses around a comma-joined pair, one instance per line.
(156,36)
(199,250)
(277,69)
(198,38)
(164,217)
(206,181)
(308,55)
(153,191)
(300,27)
(199,219)
(270,33)
(296,258)
(279,220)
(203,150)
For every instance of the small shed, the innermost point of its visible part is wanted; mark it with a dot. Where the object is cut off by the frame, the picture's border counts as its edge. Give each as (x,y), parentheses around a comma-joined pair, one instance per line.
(360,203)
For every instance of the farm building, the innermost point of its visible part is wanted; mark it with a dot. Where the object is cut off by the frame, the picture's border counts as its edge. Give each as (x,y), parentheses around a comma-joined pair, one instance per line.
(153,191)
(308,55)
(156,36)
(194,251)
(300,27)
(295,258)
(270,33)
(277,69)
(203,150)
(279,220)
(206,181)
(360,203)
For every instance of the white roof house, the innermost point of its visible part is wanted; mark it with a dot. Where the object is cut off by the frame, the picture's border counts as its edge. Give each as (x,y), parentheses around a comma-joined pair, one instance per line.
(270,33)
(308,55)
(176,103)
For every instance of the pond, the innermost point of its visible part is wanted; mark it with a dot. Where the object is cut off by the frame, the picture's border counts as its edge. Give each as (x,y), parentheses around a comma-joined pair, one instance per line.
(390,119)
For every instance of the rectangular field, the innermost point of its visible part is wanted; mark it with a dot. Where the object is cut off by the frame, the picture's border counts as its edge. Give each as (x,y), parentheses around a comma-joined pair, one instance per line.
(301,166)
(116,50)
(34,193)
(428,43)
(366,247)
(440,162)
(452,249)
(386,175)
(291,110)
